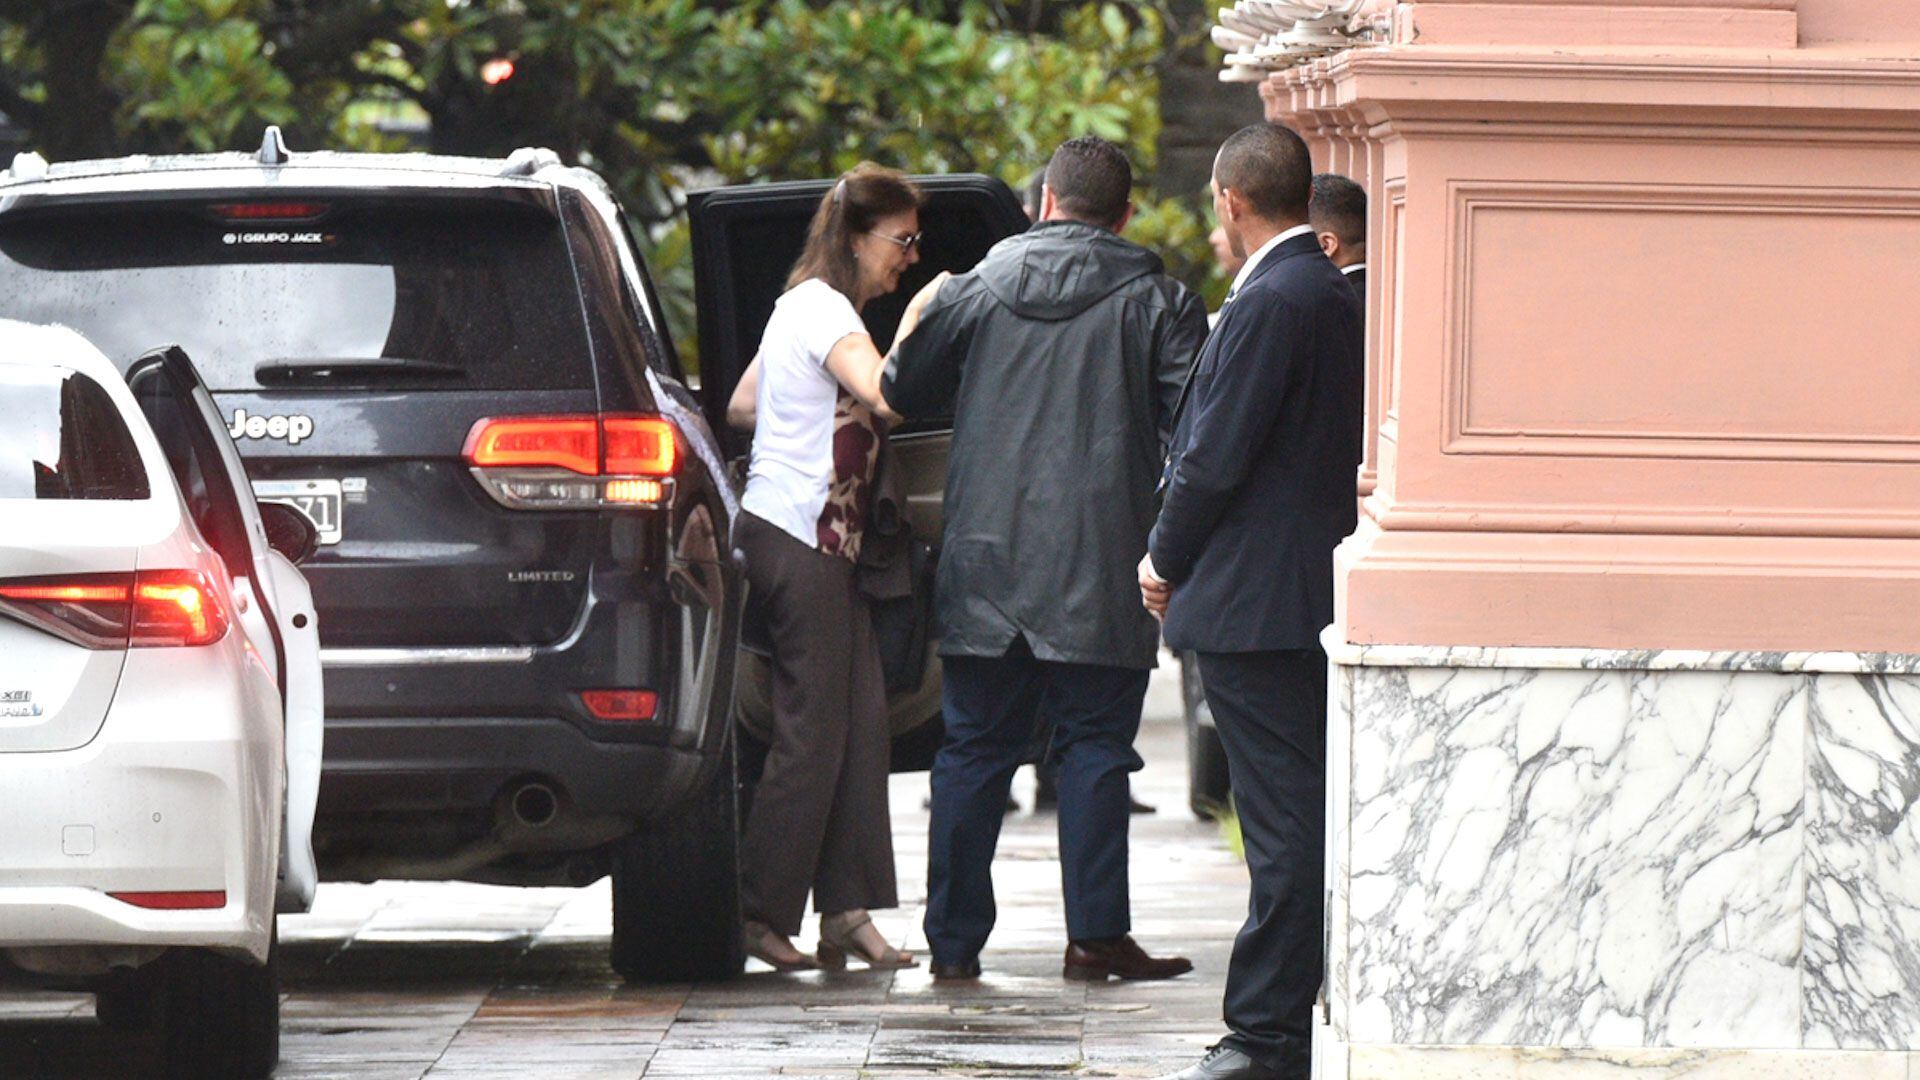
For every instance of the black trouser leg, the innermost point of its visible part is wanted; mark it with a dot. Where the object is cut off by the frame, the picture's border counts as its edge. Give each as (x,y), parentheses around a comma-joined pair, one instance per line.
(1271,710)
(1095,713)
(989,708)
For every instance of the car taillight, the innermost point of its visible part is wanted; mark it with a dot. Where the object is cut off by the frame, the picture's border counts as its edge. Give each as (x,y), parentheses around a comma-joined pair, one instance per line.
(115,611)
(175,607)
(562,442)
(574,462)
(621,705)
(270,211)
(638,446)
(201,900)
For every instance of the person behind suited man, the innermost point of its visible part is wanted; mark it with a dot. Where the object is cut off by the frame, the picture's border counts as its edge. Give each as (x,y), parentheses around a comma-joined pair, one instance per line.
(1259,490)
(1338,214)
(1061,356)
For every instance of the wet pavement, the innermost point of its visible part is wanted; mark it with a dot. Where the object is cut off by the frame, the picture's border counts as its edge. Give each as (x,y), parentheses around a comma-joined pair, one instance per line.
(398,980)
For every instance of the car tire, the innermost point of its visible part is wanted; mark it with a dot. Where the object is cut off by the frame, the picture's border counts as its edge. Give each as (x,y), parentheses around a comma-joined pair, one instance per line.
(1208,786)
(220,1016)
(128,1001)
(676,890)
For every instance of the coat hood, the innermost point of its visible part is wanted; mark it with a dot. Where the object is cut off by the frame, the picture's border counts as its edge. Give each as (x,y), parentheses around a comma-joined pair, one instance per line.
(1058,269)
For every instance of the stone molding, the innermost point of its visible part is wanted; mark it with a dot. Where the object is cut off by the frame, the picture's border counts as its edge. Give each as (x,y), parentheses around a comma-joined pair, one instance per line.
(1518,22)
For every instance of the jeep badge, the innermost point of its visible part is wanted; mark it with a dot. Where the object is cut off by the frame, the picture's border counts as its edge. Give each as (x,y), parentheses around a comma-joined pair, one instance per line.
(291,428)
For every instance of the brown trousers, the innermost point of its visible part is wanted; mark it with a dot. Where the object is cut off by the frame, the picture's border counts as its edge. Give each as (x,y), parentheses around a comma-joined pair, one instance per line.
(819,817)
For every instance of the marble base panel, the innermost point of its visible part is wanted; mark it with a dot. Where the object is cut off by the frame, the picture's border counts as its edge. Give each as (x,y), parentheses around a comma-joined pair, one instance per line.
(1630,1063)
(1649,853)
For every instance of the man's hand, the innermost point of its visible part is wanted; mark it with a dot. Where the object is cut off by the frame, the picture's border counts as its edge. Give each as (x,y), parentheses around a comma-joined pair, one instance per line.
(911,317)
(1154,590)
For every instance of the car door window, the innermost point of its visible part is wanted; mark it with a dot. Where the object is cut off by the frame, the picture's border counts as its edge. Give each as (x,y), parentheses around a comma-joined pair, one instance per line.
(209,493)
(64,439)
(667,357)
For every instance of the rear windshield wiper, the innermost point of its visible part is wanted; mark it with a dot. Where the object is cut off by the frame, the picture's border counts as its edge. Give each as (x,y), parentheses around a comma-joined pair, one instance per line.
(322,368)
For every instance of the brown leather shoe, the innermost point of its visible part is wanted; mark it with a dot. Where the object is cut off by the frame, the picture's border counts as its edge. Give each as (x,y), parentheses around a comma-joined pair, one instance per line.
(1119,958)
(960,971)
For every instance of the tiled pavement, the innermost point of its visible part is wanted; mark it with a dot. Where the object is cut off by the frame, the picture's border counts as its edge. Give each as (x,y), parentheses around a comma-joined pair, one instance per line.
(396,981)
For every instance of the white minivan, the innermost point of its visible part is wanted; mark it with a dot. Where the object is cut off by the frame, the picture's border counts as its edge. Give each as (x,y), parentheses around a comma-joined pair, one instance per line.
(160,703)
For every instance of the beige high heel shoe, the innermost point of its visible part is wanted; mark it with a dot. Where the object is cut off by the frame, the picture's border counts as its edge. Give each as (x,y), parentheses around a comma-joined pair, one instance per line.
(760,940)
(837,940)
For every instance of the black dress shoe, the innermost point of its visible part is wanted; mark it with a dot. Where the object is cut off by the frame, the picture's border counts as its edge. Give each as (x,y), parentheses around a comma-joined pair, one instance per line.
(957,971)
(1120,958)
(1226,1063)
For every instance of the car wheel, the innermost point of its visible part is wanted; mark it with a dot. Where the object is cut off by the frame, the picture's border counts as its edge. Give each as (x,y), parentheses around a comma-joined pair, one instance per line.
(676,891)
(1208,787)
(128,1000)
(221,1016)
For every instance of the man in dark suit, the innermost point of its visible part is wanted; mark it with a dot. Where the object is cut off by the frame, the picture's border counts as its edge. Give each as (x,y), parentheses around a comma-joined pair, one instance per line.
(1259,490)
(1338,214)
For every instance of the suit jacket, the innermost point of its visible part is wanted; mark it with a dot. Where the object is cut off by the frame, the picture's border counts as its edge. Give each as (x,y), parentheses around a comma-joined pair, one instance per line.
(1358,279)
(1260,477)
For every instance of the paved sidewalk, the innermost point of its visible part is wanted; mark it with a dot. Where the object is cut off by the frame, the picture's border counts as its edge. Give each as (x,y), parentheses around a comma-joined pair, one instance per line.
(397,981)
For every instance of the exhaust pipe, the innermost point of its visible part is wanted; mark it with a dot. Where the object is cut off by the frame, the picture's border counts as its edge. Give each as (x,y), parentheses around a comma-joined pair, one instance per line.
(534,805)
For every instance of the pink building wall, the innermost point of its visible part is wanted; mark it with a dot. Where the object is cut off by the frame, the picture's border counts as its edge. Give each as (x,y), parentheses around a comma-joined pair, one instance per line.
(1645,323)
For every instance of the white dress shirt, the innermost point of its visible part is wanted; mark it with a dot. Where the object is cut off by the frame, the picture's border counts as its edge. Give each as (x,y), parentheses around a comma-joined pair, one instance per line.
(1253,260)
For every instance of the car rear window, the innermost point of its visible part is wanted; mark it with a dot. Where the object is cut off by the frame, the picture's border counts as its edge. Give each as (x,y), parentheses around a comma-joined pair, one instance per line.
(458,297)
(64,439)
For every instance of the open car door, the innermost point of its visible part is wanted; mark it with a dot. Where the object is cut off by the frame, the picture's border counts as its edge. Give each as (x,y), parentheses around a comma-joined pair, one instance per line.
(745,242)
(280,619)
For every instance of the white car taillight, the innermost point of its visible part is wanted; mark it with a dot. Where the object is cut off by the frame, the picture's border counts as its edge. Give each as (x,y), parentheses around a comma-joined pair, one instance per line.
(117,611)
(574,462)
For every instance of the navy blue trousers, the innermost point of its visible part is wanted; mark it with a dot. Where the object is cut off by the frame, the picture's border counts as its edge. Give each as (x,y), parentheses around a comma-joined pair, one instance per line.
(1271,711)
(992,706)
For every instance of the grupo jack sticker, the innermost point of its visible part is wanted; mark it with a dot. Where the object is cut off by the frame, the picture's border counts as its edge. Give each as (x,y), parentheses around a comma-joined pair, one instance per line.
(272,237)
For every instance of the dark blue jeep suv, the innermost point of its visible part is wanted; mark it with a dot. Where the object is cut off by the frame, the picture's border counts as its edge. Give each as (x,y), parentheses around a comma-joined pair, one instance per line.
(529,605)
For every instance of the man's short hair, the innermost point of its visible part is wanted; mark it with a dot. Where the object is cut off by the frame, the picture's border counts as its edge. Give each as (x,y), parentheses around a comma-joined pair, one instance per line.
(1269,166)
(1339,206)
(1091,180)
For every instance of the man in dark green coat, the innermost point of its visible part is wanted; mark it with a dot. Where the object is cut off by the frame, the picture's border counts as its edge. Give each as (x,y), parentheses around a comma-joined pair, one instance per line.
(1061,358)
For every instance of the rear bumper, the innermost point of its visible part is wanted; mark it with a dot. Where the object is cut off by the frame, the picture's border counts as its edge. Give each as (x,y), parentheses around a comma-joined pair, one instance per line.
(181,791)
(448,798)
(432,765)
(433,742)
(63,916)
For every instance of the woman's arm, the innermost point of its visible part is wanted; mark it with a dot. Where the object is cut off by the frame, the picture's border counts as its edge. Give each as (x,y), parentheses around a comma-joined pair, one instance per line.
(858,365)
(742,405)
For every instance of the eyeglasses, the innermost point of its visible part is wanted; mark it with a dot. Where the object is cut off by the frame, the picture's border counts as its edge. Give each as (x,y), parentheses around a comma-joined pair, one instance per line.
(905,243)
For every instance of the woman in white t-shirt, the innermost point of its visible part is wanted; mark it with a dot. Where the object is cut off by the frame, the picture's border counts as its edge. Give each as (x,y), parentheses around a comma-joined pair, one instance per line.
(812,397)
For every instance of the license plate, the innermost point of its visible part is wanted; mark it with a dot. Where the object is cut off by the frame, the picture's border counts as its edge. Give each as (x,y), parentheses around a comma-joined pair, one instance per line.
(318,499)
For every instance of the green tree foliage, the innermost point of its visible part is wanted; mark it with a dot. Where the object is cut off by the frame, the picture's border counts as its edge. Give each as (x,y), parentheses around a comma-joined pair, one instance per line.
(658,95)
(195,73)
